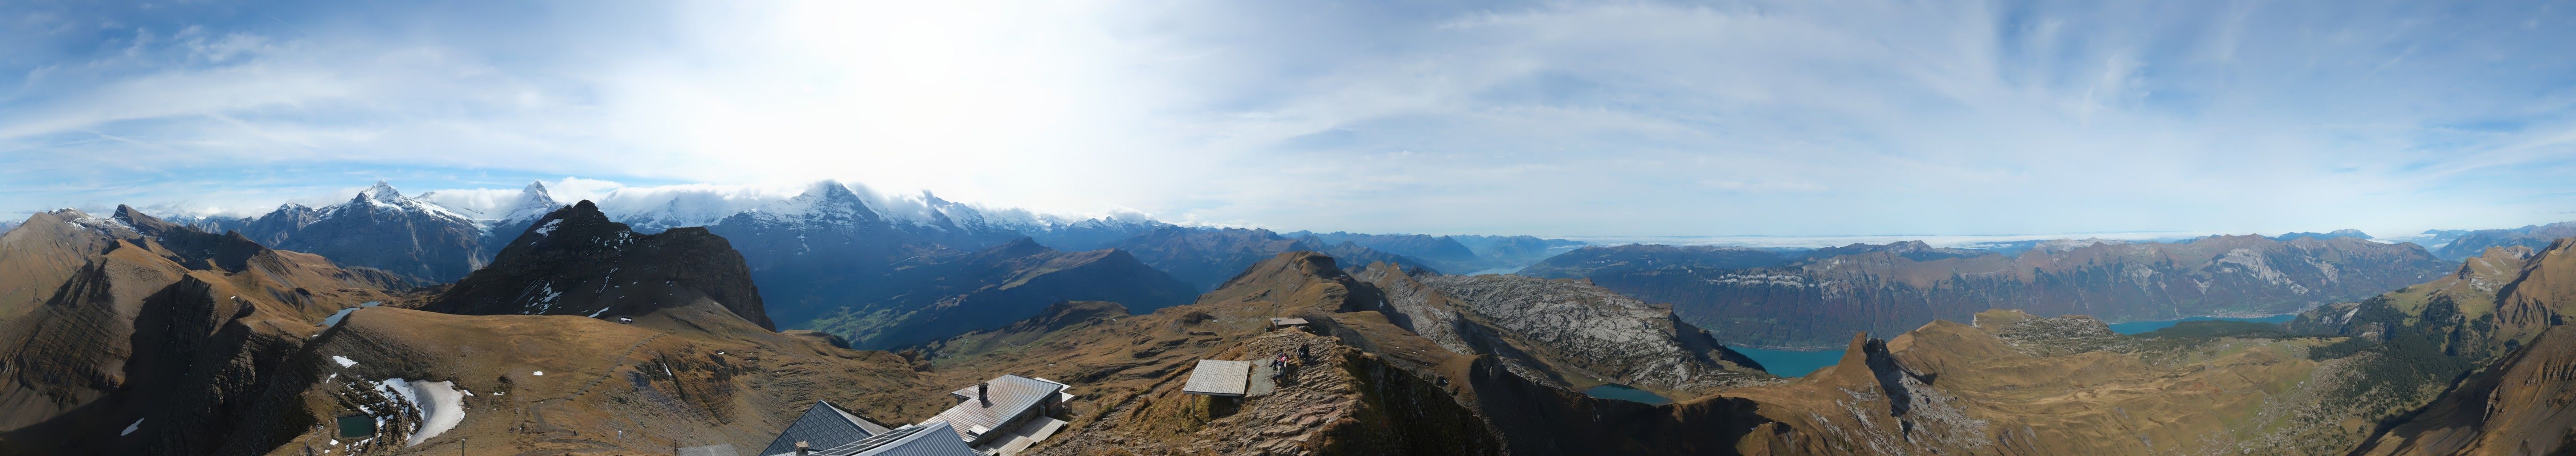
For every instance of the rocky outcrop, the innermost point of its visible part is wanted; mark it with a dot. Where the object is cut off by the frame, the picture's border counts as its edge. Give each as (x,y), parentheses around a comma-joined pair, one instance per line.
(1338,401)
(1560,332)
(575,262)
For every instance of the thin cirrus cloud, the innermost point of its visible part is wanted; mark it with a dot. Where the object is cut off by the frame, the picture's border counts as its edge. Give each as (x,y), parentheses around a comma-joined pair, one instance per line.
(1583,119)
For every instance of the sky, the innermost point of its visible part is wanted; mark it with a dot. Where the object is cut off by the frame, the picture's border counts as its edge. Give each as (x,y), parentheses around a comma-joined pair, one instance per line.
(1565,119)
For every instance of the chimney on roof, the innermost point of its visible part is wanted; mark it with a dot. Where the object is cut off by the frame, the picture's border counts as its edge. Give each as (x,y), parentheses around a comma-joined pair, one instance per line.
(803,448)
(983,392)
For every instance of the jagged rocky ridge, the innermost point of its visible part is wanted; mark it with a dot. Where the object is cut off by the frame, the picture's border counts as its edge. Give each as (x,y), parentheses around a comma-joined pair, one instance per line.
(573,261)
(382,229)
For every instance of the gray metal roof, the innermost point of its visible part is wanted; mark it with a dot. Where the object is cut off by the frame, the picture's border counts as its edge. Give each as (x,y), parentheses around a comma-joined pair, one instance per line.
(823,426)
(927,439)
(1285,321)
(1012,396)
(1219,378)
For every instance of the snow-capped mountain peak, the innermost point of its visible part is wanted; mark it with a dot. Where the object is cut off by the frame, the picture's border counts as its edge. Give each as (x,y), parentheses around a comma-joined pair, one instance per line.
(383,192)
(823,200)
(534,202)
(383,197)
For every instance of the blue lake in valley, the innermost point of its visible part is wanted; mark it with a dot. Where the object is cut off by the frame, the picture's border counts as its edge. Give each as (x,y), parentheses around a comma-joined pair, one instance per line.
(1623,392)
(2135,327)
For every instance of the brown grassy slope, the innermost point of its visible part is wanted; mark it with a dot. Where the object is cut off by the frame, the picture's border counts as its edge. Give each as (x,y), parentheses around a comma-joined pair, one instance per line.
(2517,406)
(719,380)
(1992,388)
(138,330)
(1127,370)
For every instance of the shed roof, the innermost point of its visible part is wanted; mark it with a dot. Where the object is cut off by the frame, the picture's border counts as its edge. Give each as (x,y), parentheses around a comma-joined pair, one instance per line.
(1011,396)
(1219,378)
(823,426)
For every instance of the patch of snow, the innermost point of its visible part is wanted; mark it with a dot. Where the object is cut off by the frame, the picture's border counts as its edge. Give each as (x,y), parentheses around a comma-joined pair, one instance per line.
(540,373)
(602,310)
(440,407)
(549,227)
(343,360)
(129,429)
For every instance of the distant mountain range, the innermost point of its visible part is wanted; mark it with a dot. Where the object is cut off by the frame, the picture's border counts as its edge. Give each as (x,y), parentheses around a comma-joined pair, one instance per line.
(2470,243)
(1819,298)
(879,274)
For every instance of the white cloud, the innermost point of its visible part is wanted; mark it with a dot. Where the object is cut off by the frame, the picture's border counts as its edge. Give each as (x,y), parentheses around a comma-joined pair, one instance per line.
(1632,118)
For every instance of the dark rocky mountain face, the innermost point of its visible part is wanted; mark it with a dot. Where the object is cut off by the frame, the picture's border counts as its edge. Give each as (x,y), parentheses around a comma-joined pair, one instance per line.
(575,262)
(382,229)
(943,294)
(1811,302)
(1206,257)
(2474,242)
